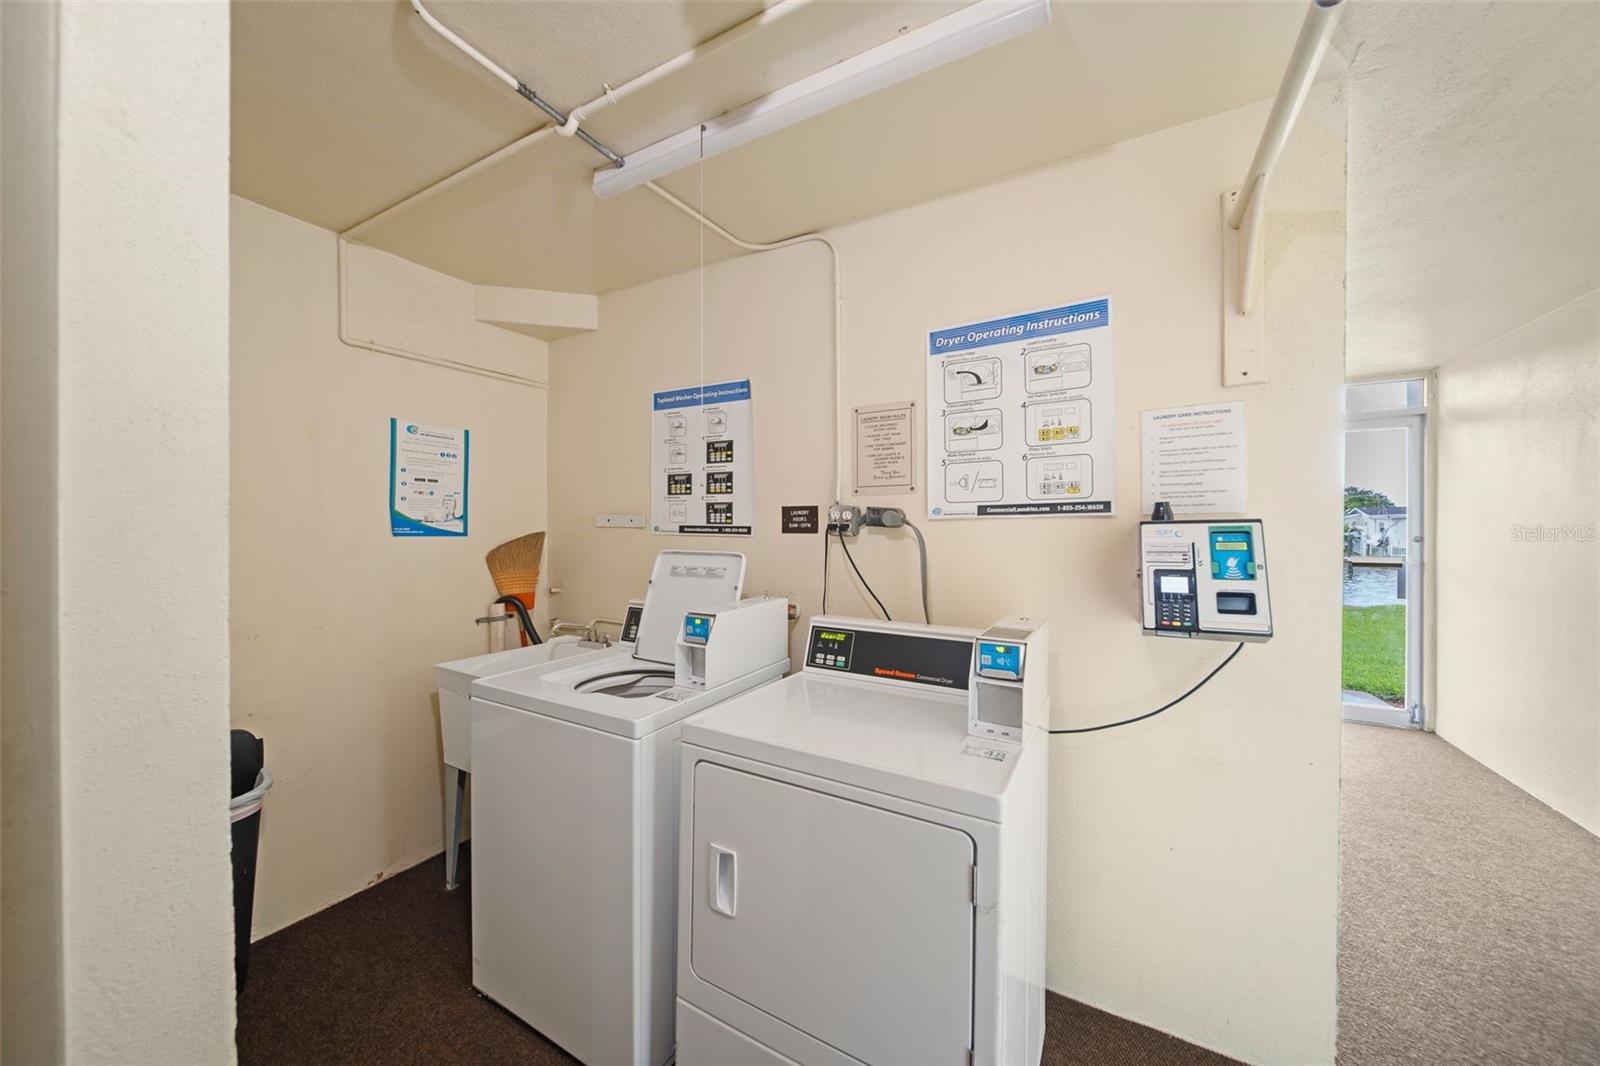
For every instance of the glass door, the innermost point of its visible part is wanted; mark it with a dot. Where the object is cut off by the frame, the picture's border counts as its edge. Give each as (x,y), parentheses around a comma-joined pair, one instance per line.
(1382,550)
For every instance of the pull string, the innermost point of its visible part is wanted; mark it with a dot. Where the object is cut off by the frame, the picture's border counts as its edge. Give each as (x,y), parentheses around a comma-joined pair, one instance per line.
(702,229)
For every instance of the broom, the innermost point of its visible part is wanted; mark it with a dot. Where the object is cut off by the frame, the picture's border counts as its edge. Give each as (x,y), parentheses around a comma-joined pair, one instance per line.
(514,567)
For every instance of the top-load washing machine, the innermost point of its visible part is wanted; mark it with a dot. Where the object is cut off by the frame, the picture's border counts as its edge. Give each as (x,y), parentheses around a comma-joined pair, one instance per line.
(575,777)
(862,854)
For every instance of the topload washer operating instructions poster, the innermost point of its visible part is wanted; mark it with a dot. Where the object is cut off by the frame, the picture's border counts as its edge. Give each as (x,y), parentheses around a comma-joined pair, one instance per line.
(700,460)
(427,479)
(1020,415)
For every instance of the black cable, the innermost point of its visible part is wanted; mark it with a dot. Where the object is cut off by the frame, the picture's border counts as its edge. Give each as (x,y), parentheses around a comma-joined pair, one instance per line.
(864,584)
(825,569)
(641,674)
(1151,714)
(645,671)
(522,617)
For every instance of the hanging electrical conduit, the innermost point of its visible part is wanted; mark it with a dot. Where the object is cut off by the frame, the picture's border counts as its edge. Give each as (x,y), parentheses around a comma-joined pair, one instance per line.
(569,126)
(838,312)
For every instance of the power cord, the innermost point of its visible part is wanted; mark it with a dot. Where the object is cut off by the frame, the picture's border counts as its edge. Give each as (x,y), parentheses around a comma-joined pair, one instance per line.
(844,519)
(1151,714)
(846,546)
(824,569)
(922,553)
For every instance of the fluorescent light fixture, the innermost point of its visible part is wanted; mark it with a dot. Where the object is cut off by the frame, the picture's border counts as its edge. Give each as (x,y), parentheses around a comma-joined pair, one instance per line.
(970,30)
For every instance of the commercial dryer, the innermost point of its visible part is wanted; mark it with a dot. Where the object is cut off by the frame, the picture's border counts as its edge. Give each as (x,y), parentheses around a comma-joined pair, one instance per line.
(862,854)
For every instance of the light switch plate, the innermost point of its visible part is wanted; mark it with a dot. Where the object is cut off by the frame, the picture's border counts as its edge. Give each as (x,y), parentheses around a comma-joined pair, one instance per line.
(619,521)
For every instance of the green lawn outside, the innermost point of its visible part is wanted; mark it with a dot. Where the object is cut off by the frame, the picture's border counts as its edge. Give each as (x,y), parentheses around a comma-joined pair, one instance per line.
(1375,651)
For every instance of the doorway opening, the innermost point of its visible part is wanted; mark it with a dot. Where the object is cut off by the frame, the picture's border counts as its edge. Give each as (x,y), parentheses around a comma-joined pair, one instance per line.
(1385,435)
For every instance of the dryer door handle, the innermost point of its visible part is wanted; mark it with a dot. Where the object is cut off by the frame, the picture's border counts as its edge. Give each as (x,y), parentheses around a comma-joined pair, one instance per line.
(724,880)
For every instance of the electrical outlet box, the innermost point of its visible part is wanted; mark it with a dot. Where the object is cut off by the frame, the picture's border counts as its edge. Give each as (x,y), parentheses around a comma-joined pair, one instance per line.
(619,521)
(845,519)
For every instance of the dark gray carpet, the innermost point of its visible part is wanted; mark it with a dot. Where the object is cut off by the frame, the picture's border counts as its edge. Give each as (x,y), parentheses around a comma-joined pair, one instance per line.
(386,977)
(1469,913)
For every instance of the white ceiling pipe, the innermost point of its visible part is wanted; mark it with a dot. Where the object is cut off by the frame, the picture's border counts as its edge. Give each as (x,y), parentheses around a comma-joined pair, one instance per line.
(1309,48)
(967,31)
(838,313)
(676,63)
(567,125)
(776,13)
(445,361)
(470,52)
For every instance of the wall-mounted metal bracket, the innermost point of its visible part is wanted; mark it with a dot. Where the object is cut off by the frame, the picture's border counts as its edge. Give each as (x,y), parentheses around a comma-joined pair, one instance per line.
(1244,335)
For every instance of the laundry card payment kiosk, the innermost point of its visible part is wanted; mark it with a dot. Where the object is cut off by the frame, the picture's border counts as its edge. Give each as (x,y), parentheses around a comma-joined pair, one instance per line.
(1205,579)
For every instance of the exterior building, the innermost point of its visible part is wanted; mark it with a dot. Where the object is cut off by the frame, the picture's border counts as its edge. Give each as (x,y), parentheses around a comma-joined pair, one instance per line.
(1375,531)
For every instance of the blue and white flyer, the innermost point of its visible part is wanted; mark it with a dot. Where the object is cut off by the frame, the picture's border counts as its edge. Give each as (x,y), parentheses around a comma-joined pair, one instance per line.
(427,480)
(1020,415)
(700,459)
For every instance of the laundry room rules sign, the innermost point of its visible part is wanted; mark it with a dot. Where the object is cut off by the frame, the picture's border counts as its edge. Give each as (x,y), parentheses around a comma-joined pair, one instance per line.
(1020,415)
(700,459)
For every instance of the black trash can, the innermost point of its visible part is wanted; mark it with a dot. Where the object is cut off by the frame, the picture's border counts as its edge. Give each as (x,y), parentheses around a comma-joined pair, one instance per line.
(251,782)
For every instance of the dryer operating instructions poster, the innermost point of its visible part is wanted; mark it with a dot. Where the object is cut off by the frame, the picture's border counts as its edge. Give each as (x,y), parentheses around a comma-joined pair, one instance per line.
(700,460)
(1020,415)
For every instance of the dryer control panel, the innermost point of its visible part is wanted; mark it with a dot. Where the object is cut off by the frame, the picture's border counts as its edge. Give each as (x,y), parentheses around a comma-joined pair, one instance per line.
(906,652)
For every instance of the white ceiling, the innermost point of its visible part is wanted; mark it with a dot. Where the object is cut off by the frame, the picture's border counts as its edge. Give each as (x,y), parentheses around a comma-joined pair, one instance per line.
(1474,174)
(341,109)
(1474,163)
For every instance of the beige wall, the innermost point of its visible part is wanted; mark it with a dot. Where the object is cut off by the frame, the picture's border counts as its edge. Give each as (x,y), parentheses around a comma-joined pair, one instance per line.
(116,386)
(31,993)
(1518,436)
(1193,877)
(336,625)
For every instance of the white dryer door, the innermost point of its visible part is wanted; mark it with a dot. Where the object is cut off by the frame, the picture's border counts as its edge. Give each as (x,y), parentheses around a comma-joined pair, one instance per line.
(849,922)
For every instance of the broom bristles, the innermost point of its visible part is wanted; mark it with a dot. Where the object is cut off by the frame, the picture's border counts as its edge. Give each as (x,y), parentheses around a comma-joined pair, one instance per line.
(514,565)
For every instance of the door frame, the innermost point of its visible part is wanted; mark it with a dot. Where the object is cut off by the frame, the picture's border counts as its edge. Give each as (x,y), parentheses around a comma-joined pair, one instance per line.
(1414,421)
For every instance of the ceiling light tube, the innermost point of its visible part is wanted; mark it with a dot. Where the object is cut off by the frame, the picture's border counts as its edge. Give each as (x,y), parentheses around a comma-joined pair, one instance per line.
(970,30)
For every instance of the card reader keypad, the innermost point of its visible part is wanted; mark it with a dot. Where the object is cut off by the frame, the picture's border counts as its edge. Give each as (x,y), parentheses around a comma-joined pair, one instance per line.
(1176,612)
(1177,607)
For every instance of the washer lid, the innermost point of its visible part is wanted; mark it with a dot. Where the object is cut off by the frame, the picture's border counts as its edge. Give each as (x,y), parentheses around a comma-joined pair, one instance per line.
(681,582)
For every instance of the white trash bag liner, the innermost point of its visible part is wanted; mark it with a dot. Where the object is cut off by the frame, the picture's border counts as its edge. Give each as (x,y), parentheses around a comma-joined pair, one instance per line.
(242,807)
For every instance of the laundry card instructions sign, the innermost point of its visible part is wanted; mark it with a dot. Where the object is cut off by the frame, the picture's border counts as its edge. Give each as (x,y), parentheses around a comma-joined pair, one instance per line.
(1020,415)
(427,480)
(700,459)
